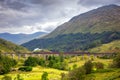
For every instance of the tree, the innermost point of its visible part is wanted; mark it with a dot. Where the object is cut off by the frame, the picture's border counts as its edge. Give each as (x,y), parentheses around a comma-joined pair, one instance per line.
(74,66)
(6,64)
(99,65)
(31,61)
(77,74)
(88,67)
(26,68)
(63,76)
(45,76)
(41,62)
(116,61)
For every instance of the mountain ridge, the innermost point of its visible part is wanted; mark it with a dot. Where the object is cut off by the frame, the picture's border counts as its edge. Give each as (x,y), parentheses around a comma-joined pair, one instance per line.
(91,21)
(21,38)
(83,32)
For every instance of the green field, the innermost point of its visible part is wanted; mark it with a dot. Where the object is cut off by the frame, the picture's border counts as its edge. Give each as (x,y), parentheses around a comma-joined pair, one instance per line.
(36,74)
(55,74)
(113,46)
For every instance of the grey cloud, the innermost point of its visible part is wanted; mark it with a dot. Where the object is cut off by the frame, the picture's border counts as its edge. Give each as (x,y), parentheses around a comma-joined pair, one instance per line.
(45,10)
(20,13)
(16,5)
(45,2)
(90,3)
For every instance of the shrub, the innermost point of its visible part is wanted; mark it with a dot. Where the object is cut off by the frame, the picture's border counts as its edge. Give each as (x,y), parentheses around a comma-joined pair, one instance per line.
(6,64)
(74,66)
(31,61)
(77,74)
(103,70)
(116,61)
(99,65)
(63,76)
(41,62)
(88,66)
(57,62)
(26,68)
(44,76)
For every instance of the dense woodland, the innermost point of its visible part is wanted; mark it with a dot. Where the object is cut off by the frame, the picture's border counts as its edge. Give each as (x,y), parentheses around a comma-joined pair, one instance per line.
(73,42)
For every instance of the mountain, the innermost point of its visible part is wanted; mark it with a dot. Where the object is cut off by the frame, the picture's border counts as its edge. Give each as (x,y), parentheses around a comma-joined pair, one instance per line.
(8,47)
(21,38)
(106,18)
(113,46)
(83,32)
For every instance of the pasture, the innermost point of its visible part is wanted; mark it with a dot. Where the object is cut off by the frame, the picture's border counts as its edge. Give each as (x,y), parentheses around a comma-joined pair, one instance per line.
(55,74)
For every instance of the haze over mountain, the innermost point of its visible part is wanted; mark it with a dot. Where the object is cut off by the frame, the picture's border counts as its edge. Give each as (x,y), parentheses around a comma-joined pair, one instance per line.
(82,32)
(21,38)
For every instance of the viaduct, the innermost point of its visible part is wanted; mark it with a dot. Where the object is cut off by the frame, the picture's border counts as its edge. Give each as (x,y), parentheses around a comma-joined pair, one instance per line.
(47,54)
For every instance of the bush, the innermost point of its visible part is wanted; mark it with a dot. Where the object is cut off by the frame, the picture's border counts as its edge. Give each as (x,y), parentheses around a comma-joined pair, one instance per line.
(63,76)
(57,62)
(41,62)
(74,66)
(6,64)
(26,68)
(77,74)
(99,65)
(44,76)
(31,61)
(103,70)
(88,66)
(116,61)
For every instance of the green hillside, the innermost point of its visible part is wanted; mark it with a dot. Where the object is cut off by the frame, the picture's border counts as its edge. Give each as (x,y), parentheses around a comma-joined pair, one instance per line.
(110,47)
(106,18)
(83,32)
(73,42)
(8,47)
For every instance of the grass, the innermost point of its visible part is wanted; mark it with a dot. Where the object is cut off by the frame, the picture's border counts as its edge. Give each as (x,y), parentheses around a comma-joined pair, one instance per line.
(108,75)
(55,74)
(110,47)
(79,61)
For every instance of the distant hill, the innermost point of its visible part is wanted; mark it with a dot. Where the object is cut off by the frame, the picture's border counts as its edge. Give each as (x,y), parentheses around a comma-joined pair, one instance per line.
(21,38)
(8,47)
(109,47)
(83,32)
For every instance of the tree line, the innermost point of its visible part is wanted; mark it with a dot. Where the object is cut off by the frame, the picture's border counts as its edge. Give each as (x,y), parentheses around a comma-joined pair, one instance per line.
(73,42)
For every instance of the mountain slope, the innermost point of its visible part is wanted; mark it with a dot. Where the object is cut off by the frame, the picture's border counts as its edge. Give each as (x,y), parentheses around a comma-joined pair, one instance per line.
(8,47)
(21,38)
(83,32)
(110,47)
(73,42)
(106,18)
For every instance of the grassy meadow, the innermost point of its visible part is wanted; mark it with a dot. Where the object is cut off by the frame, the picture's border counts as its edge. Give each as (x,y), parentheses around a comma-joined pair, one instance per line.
(55,74)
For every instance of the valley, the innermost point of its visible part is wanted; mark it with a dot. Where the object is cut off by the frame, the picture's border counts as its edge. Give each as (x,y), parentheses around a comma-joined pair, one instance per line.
(86,47)
(55,74)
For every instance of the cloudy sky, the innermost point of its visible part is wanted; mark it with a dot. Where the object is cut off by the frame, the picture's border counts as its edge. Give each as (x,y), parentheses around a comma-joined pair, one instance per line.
(29,16)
